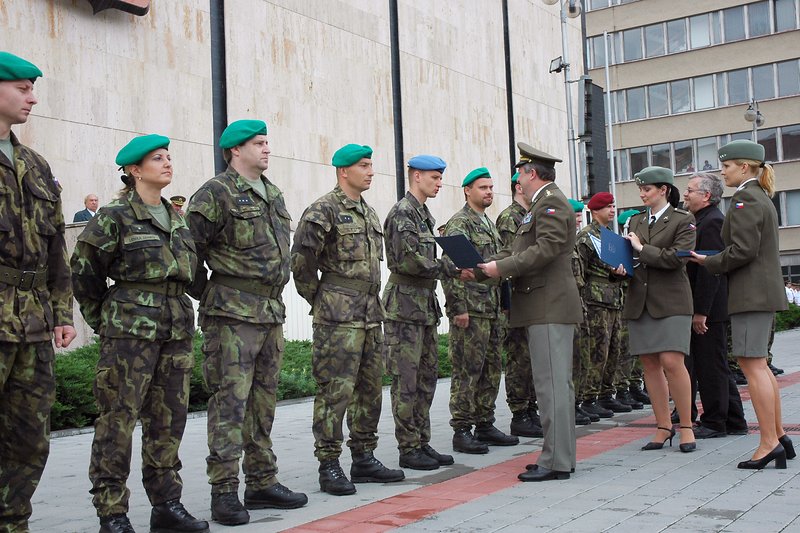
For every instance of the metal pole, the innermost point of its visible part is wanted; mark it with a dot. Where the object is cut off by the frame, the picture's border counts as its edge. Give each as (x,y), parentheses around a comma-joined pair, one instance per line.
(610,131)
(570,131)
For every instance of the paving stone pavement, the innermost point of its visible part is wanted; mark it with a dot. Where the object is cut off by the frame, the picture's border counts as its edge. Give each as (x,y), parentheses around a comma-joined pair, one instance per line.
(616,487)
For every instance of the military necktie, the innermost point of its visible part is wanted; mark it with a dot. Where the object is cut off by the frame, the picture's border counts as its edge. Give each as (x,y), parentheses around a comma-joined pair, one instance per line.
(652,222)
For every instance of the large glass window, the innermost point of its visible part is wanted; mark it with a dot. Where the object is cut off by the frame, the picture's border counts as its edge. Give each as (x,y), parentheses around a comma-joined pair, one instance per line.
(763,82)
(703,92)
(722,98)
(788,78)
(661,155)
(620,107)
(680,96)
(621,157)
(776,201)
(635,108)
(698,26)
(616,44)
(684,157)
(676,36)
(597,4)
(632,40)
(733,23)
(758,19)
(737,87)
(598,51)
(790,140)
(716,28)
(785,15)
(792,208)
(769,139)
(654,40)
(638,159)
(707,158)
(657,99)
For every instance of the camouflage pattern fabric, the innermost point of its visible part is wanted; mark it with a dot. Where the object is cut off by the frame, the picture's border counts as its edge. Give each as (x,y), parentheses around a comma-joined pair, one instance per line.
(241,369)
(520,392)
(600,342)
(32,239)
(238,233)
(145,345)
(343,237)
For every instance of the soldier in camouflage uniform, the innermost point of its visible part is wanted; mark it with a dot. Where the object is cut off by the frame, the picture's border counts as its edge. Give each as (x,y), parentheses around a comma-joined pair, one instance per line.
(36,298)
(477,328)
(412,313)
(241,227)
(340,236)
(145,323)
(601,293)
(520,393)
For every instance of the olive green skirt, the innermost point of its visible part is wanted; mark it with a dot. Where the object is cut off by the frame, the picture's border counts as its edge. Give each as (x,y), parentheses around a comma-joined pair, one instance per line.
(655,335)
(750,333)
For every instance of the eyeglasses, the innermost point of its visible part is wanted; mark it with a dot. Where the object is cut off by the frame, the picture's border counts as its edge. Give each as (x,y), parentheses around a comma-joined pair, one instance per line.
(690,190)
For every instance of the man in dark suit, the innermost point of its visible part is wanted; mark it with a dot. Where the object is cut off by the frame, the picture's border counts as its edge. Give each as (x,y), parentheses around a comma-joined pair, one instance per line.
(707,362)
(545,300)
(91,202)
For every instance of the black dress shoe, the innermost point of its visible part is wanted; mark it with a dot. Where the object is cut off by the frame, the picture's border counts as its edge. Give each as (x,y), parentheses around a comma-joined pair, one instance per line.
(523,426)
(275,497)
(332,479)
(624,396)
(614,405)
(542,474)
(442,458)
(740,378)
(703,432)
(534,467)
(416,459)
(737,431)
(227,510)
(778,454)
(591,416)
(593,408)
(465,442)
(367,469)
(788,446)
(117,523)
(775,370)
(639,395)
(492,436)
(172,517)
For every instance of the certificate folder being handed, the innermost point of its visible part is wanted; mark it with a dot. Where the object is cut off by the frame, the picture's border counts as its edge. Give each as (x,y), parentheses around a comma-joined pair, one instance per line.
(616,250)
(460,251)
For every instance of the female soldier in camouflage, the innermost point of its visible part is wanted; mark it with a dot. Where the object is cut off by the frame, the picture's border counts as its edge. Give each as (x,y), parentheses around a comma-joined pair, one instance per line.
(145,323)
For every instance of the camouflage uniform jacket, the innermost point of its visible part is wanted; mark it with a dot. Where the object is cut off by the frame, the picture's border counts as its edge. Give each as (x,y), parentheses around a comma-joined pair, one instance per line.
(125,243)
(597,285)
(32,239)
(343,237)
(238,233)
(411,251)
(509,221)
(480,299)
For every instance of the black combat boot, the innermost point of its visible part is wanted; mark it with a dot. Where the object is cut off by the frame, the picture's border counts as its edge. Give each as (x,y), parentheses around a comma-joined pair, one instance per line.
(416,459)
(367,469)
(612,404)
(523,426)
(533,414)
(172,517)
(492,436)
(443,459)
(639,395)
(594,409)
(228,510)
(624,396)
(116,523)
(275,497)
(591,416)
(464,442)
(581,418)
(332,479)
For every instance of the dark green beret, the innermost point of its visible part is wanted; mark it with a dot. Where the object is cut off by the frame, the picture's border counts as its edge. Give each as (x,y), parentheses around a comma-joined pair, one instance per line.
(742,149)
(653,175)
(576,205)
(625,215)
(529,154)
(350,154)
(15,68)
(133,152)
(481,172)
(241,131)
(515,177)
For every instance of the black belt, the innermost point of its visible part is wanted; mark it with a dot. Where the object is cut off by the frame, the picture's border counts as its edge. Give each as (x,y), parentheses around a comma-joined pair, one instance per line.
(167,288)
(252,286)
(402,279)
(23,280)
(347,283)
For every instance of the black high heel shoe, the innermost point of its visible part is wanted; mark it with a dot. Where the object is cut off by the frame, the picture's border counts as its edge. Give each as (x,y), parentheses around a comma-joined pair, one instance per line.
(688,446)
(778,455)
(788,446)
(659,445)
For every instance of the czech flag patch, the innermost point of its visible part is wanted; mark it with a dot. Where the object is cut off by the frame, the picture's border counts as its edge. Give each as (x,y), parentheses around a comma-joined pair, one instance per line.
(739,205)
(550,211)
(692,227)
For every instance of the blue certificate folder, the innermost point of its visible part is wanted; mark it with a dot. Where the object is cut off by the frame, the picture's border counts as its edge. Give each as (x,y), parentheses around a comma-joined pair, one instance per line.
(460,251)
(616,250)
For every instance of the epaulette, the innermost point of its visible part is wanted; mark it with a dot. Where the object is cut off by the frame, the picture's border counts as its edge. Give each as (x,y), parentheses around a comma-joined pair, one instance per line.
(682,211)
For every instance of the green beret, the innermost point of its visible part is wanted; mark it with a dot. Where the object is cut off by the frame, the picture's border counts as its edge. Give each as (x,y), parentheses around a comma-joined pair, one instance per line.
(481,172)
(653,175)
(625,215)
(576,205)
(529,154)
(15,68)
(742,149)
(133,152)
(350,154)
(241,131)
(515,177)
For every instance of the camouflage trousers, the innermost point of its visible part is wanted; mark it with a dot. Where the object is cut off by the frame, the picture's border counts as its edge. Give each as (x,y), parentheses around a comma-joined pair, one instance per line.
(347,364)
(600,334)
(27,393)
(520,392)
(146,380)
(629,369)
(241,369)
(580,359)
(475,355)
(412,359)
